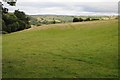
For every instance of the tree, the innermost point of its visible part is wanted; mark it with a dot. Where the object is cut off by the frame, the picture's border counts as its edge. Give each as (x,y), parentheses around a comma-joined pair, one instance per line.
(11,3)
(9,18)
(20,14)
(22,25)
(4,10)
(87,19)
(13,27)
(54,21)
(76,20)
(4,28)
(14,21)
(80,19)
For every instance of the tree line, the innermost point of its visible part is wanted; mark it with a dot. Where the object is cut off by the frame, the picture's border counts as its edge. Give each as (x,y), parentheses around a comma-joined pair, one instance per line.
(87,19)
(12,22)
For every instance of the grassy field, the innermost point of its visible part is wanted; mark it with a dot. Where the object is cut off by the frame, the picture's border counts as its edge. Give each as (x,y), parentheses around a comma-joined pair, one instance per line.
(74,50)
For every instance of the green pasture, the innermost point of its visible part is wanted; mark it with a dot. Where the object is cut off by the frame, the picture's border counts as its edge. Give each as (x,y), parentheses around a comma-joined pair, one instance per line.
(71,50)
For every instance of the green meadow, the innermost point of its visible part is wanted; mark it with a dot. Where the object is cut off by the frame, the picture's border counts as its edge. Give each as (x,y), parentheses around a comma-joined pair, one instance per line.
(71,50)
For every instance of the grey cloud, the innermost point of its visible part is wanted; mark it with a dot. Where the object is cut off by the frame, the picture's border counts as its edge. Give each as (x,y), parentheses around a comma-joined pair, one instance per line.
(98,6)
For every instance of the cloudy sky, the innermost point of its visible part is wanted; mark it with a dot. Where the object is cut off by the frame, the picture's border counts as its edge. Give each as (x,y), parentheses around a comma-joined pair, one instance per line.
(67,7)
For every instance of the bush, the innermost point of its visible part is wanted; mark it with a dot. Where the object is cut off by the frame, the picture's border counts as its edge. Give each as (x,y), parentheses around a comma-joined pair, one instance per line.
(28,26)
(95,19)
(38,25)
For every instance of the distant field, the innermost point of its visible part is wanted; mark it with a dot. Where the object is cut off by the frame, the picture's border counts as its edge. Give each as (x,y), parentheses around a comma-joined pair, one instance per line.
(74,50)
(50,17)
(63,17)
(39,20)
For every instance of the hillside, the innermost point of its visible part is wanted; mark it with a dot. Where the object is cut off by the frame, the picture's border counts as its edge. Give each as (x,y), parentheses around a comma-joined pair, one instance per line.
(71,50)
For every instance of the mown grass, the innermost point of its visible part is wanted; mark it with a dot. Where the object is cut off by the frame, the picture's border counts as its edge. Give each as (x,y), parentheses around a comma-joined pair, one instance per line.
(76,51)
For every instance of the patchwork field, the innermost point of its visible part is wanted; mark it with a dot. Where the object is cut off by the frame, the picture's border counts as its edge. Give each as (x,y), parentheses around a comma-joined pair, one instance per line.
(74,50)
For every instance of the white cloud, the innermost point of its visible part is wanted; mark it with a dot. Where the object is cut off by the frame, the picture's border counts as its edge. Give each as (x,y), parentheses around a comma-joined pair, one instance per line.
(67,7)
(68,0)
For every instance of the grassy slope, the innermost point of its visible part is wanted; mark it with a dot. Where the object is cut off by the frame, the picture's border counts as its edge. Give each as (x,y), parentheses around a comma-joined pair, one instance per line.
(78,50)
